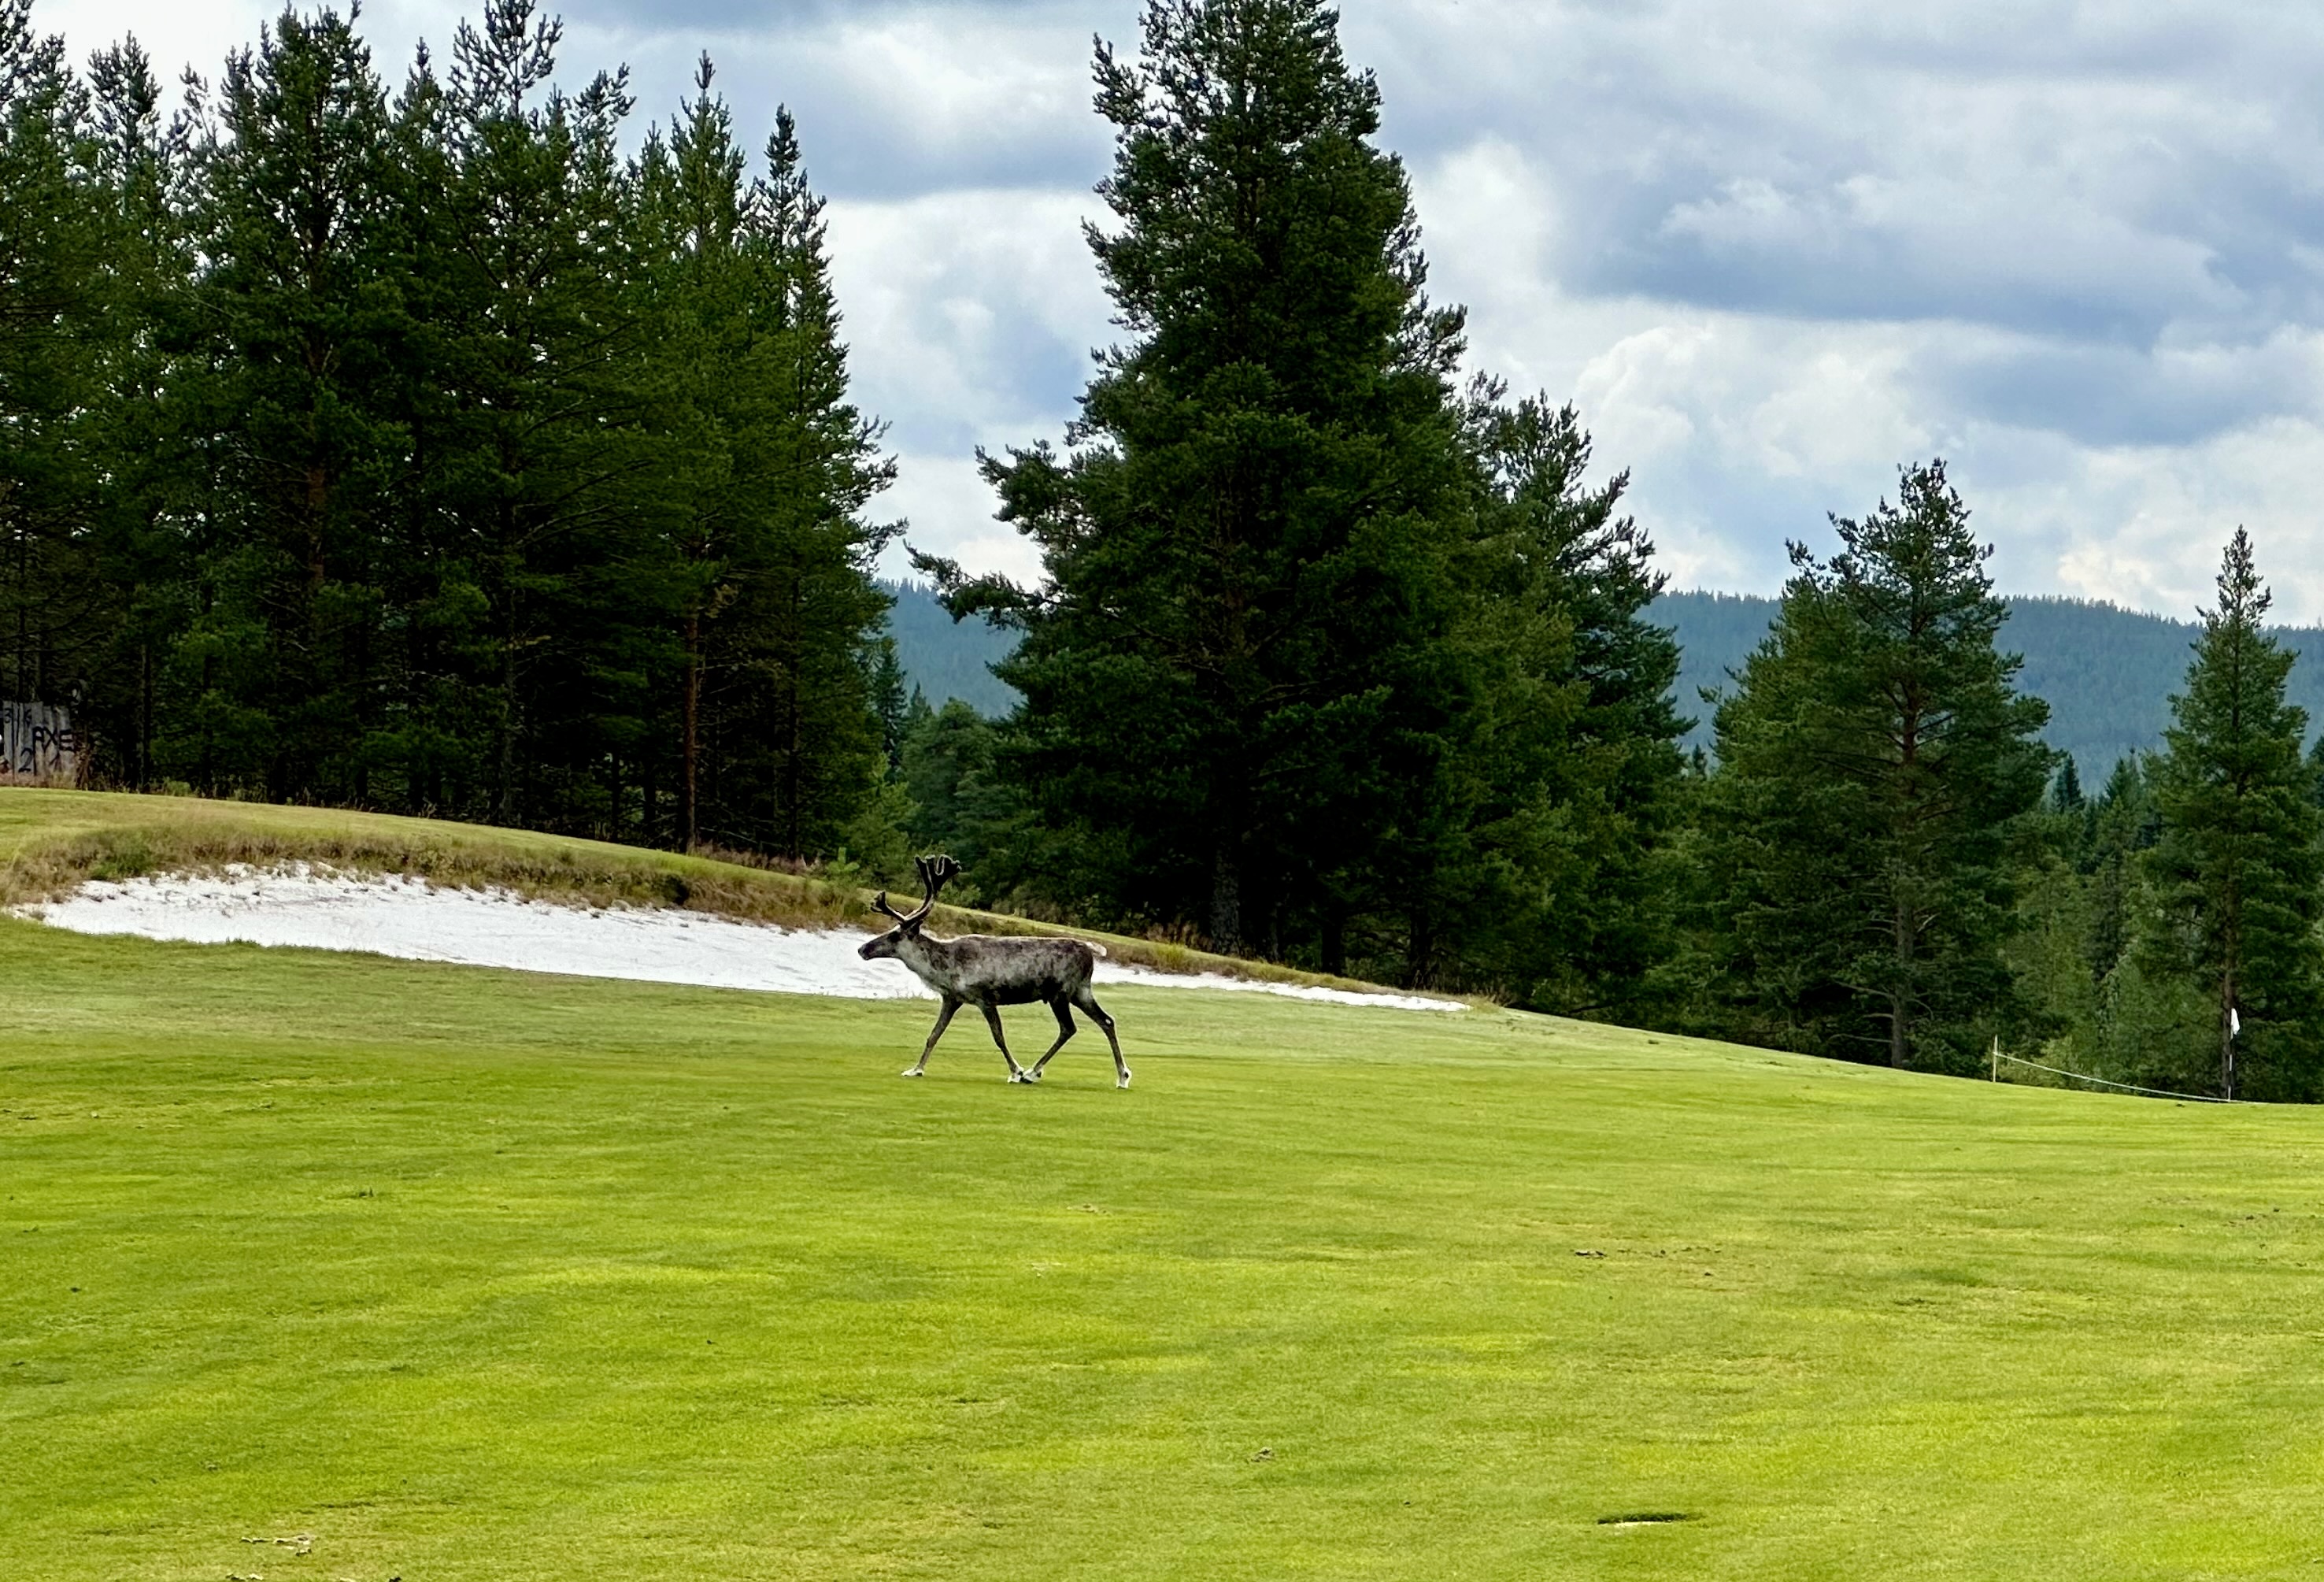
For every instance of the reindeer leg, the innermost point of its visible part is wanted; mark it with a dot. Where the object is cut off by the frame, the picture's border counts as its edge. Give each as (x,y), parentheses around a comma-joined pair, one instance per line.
(943,1020)
(992,1021)
(1065,1030)
(1087,1000)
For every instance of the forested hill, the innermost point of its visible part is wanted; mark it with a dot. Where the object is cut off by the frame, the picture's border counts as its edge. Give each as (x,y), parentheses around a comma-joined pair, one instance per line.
(2107,673)
(947,659)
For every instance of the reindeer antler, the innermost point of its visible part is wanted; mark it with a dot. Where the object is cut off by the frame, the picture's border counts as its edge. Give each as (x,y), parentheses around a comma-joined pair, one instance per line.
(935,872)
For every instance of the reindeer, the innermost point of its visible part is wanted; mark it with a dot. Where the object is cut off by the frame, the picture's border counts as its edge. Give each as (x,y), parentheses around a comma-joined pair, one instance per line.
(989,971)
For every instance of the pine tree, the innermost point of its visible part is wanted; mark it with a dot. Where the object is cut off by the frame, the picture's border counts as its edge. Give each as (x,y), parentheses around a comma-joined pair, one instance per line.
(2236,869)
(135,421)
(2066,796)
(772,469)
(2122,826)
(1874,767)
(535,455)
(49,254)
(891,702)
(1561,788)
(300,301)
(1232,673)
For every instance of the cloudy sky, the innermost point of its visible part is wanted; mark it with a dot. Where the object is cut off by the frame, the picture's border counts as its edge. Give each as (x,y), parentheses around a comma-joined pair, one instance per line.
(1772,250)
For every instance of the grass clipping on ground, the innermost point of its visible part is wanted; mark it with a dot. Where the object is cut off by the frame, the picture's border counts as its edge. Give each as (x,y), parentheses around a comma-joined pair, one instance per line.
(55,841)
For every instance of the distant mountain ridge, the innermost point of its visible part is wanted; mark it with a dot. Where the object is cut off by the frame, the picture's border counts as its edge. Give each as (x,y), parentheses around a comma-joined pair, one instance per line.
(948,659)
(2107,672)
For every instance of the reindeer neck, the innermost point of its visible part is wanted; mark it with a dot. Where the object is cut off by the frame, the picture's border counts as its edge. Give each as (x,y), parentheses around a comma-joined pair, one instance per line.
(919,951)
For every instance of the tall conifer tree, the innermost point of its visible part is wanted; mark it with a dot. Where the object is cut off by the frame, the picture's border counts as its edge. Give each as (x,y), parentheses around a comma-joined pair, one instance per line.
(1227,674)
(536,453)
(763,529)
(50,249)
(2236,869)
(1873,766)
(301,306)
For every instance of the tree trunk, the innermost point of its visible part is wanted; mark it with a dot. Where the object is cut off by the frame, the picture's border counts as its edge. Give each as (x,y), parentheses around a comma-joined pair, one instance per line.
(690,738)
(504,800)
(2227,1033)
(1420,948)
(145,717)
(1226,900)
(1900,1034)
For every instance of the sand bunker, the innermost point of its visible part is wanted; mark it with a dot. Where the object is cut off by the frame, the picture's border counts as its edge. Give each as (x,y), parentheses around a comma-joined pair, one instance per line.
(411,919)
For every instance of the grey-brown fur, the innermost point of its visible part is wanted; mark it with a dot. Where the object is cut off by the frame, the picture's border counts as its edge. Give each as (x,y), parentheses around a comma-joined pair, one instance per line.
(990,971)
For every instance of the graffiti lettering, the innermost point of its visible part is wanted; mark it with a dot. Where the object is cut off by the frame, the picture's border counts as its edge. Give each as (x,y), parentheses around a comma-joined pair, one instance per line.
(39,746)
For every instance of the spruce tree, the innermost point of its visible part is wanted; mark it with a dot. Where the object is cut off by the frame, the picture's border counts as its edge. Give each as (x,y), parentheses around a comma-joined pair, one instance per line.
(2236,868)
(1231,671)
(1874,764)
(1565,775)
(765,541)
(300,304)
(138,438)
(535,457)
(49,254)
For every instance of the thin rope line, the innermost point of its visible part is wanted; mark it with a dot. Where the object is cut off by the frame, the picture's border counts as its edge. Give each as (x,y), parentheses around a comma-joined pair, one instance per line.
(2125,1087)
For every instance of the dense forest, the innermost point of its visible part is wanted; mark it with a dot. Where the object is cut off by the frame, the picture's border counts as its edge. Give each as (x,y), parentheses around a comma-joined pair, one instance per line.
(421,449)
(464,446)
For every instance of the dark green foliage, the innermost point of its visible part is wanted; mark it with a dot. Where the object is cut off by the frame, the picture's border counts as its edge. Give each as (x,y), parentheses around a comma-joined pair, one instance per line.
(422,451)
(1329,664)
(1561,784)
(959,804)
(54,601)
(766,551)
(1876,767)
(1238,669)
(2236,868)
(2066,794)
(2124,824)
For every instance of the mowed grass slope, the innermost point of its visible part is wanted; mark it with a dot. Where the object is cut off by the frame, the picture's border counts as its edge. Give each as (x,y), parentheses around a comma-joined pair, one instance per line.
(481,1275)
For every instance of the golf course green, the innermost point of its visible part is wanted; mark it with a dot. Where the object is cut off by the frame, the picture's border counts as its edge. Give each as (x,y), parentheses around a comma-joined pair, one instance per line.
(326,1266)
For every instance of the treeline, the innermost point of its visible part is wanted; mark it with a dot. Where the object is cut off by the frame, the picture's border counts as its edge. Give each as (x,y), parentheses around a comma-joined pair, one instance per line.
(1338,661)
(420,449)
(2107,673)
(426,450)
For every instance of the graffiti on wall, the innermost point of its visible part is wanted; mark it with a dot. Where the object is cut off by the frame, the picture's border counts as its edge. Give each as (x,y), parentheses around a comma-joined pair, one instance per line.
(38,745)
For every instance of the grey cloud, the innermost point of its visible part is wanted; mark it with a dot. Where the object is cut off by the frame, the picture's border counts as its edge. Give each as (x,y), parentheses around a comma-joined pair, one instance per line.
(2077,247)
(2040,172)
(2114,395)
(893,101)
(761,16)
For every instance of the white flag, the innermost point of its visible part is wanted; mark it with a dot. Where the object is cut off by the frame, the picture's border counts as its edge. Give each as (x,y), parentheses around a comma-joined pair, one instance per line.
(2235,1023)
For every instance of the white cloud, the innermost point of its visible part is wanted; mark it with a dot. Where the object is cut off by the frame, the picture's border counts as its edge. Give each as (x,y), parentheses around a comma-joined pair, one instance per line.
(1772,251)
(970,315)
(949,509)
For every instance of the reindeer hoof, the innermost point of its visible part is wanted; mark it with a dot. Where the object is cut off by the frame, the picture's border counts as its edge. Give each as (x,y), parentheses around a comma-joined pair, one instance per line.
(914,1071)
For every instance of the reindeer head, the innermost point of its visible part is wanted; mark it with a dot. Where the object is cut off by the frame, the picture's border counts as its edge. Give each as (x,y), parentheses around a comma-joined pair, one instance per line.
(934,871)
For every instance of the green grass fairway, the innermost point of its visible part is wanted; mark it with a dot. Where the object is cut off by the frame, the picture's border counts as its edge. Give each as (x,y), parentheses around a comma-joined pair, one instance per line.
(474,1275)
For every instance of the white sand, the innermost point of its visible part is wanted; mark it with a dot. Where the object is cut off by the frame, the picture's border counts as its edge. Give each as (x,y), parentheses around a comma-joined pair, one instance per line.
(411,919)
